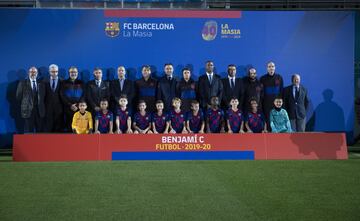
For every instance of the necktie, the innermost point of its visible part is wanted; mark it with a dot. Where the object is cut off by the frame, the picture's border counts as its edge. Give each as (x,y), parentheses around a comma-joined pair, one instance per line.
(53,85)
(98,83)
(210,78)
(232,83)
(34,86)
(296,93)
(121,84)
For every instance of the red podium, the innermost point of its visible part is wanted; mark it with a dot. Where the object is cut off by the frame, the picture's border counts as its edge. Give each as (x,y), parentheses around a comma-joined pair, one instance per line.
(267,146)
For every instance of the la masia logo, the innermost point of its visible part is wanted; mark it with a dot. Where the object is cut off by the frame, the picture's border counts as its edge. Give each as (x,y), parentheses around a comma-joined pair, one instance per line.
(112,29)
(210,31)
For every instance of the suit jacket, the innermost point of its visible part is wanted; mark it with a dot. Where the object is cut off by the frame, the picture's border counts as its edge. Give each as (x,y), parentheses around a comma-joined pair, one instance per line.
(94,94)
(166,91)
(296,108)
(206,90)
(26,96)
(52,98)
(128,90)
(228,92)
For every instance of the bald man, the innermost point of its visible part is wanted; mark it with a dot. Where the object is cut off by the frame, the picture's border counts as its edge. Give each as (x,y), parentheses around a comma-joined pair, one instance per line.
(273,86)
(296,102)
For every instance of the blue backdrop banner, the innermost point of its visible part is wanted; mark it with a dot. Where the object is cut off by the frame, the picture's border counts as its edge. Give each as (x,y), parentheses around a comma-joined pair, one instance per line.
(319,45)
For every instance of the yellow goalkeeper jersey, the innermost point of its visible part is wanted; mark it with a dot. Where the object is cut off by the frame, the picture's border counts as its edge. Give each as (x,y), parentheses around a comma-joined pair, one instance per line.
(82,123)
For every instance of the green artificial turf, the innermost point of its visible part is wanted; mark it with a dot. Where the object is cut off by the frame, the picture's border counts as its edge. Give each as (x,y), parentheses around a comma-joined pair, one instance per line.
(181,190)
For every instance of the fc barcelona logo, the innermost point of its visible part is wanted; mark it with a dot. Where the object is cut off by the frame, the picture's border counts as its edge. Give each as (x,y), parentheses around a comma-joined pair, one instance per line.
(209,30)
(112,29)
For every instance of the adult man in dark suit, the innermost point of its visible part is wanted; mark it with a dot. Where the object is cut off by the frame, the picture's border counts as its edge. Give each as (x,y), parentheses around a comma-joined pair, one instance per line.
(233,88)
(31,94)
(96,90)
(122,86)
(167,87)
(296,101)
(253,89)
(54,108)
(209,85)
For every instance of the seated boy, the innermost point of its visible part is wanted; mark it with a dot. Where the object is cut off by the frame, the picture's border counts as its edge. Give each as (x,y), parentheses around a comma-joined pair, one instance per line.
(82,122)
(279,119)
(160,119)
(142,120)
(214,117)
(123,117)
(177,118)
(104,119)
(255,121)
(195,119)
(234,116)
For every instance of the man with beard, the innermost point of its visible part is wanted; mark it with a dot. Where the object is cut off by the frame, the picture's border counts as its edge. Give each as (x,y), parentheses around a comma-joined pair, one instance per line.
(31,94)
(71,92)
(273,86)
(252,89)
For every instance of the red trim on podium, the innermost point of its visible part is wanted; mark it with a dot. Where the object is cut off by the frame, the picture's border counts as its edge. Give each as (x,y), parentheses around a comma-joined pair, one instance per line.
(71,147)
(170,14)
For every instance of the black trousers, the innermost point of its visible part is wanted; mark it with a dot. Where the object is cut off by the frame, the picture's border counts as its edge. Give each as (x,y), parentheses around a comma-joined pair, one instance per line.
(33,124)
(54,121)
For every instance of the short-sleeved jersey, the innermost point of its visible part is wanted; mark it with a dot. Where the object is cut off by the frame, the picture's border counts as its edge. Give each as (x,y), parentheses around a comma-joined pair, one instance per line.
(104,121)
(159,121)
(215,118)
(195,121)
(256,122)
(235,119)
(142,122)
(177,120)
(123,117)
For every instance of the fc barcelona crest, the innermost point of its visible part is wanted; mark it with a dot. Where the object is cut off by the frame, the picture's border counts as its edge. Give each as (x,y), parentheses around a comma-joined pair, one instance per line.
(112,29)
